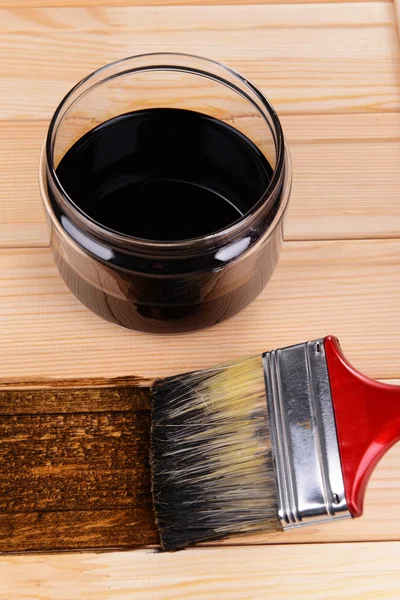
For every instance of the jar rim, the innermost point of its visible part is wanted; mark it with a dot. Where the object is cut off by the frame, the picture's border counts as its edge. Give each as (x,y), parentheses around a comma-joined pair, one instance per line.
(212,238)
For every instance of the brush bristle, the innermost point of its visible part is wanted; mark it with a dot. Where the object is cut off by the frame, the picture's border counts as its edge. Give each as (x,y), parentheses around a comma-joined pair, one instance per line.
(212,468)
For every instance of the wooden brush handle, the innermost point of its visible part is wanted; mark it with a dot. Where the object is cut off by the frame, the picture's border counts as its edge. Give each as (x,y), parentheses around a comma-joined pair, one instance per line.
(74,470)
(367,419)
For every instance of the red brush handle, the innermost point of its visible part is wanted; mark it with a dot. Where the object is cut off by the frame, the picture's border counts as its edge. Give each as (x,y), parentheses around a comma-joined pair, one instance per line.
(367,417)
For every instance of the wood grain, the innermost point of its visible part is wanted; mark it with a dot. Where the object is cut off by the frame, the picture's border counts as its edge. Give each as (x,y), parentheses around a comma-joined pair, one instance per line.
(349,288)
(56,531)
(68,396)
(74,474)
(122,528)
(74,468)
(74,462)
(347,68)
(331,198)
(95,4)
(345,571)
(122,18)
(21,214)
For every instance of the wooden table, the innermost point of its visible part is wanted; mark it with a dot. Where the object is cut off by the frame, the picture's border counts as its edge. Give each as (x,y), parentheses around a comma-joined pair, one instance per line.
(332,70)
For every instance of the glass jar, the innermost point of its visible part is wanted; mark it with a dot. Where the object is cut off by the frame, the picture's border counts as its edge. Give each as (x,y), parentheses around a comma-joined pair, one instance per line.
(166,286)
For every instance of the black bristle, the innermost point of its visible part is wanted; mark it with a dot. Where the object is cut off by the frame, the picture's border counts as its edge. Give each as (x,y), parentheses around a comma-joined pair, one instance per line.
(212,471)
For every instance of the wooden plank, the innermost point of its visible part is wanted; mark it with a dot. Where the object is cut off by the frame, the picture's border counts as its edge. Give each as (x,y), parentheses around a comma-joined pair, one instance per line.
(59,400)
(75,480)
(344,571)
(95,4)
(21,214)
(345,190)
(332,196)
(330,127)
(347,68)
(348,288)
(119,528)
(122,18)
(352,161)
(74,475)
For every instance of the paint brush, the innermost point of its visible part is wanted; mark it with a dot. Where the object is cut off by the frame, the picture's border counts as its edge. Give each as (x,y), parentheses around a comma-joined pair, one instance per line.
(266,443)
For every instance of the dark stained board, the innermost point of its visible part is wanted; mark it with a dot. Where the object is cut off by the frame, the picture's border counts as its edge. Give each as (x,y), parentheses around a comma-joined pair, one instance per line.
(74,470)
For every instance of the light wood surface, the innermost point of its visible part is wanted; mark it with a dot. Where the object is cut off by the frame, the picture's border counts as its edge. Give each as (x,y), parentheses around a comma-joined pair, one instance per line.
(333,72)
(350,67)
(35,4)
(349,288)
(124,18)
(315,571)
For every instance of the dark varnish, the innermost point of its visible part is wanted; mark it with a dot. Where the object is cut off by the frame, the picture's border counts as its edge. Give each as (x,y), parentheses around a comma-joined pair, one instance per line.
(164,174)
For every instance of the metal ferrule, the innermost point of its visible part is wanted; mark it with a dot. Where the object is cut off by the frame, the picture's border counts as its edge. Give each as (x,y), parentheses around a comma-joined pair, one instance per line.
(303,435)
